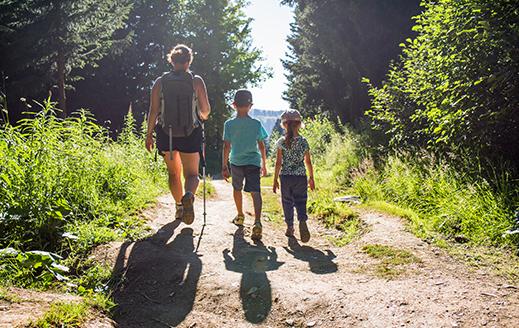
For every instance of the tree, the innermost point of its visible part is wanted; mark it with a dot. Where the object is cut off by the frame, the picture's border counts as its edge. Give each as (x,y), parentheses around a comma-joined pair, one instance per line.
(456,87)
(219,33)
(46,43)
(334,43)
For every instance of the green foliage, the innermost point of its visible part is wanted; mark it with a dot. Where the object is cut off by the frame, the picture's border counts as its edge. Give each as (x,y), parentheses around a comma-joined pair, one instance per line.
(36,268)
(67,187)
(391,259)
(334,44)
(49,42)
(219,33)
(63,314)
(456,87)
(446,201)
(440,201)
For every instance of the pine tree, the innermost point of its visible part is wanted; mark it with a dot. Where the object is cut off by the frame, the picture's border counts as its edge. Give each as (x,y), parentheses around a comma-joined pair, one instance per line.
(335,43)
(47,43)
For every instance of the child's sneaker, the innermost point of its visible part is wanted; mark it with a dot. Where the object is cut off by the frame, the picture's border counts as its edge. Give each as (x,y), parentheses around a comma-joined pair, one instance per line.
(188,213)
(238,220)
(257,230)
(290,232)
(179,211)
(303,232)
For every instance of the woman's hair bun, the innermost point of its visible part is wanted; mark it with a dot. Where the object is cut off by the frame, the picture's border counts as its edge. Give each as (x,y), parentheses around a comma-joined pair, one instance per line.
(180,54)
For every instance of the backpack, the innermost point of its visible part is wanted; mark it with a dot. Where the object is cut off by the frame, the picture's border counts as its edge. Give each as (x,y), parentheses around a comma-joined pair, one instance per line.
(178,113)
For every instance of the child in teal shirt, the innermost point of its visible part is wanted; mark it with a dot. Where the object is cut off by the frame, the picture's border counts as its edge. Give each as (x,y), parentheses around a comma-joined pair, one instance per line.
(244,148)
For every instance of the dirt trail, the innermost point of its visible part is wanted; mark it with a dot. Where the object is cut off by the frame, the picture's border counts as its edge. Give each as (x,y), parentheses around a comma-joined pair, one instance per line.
(233,283)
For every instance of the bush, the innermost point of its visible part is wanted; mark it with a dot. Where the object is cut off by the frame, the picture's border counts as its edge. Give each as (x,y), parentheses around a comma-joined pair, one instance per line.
(67,187)
(438,199)
(455,88)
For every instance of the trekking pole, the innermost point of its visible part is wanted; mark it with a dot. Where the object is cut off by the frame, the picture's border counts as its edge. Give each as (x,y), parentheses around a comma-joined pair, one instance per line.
(204,187)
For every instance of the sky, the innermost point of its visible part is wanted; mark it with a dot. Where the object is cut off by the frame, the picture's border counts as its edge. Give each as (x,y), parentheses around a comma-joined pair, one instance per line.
(270,29)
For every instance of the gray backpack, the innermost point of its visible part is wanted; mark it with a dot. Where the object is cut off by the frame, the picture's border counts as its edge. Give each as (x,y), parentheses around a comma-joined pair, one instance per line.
(178,113)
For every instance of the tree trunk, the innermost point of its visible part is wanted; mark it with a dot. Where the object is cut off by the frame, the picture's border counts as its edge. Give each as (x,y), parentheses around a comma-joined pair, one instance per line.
(62,97)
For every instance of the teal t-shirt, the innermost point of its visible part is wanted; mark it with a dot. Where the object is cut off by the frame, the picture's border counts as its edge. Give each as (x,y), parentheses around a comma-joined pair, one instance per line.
(244,133)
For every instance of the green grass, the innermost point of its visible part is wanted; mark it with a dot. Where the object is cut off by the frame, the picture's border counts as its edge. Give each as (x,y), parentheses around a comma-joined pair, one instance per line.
(392,260)
(210,189)
(64,314)
(7,296)
(67,187)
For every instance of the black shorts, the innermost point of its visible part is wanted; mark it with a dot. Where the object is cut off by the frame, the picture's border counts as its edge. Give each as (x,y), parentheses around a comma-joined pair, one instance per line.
(249,173)
(189,144)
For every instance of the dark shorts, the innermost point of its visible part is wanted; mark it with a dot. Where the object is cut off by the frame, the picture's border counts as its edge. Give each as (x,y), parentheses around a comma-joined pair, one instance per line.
(249,173)
(190,144)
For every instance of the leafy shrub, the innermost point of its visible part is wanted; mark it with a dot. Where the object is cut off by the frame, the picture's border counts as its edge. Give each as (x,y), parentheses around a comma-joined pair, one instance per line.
(438,199)
(455,89)
(66,186)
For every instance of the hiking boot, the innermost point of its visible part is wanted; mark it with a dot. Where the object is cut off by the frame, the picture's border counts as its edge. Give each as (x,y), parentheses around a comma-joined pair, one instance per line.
(257,230)
(188,213)
(179,211)
(238,220)
(290,232)
(303,232)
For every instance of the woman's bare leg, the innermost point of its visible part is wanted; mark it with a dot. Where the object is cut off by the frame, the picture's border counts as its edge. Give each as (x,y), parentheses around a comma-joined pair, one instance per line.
(190,162)
(174,169)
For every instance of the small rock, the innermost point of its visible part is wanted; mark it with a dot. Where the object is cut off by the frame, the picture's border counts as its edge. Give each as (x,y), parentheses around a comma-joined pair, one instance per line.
(192,325)
(289,322)
(310,324)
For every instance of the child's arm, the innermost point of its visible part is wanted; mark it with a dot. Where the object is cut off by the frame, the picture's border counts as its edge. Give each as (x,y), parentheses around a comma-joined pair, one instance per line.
(308,162)
(225,159)
(279,157)
(263,151)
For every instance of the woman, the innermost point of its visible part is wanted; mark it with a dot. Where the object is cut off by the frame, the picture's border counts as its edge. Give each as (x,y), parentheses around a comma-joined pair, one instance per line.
(181,152)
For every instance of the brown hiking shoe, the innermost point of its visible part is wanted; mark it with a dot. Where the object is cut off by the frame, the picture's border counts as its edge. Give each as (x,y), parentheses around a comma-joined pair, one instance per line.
(290,232)
(238,220)
(303,232)
(188,213)
(257,230)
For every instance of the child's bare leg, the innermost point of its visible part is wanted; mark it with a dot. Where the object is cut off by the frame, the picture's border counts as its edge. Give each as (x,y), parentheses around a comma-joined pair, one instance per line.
(238,200)
(258,203)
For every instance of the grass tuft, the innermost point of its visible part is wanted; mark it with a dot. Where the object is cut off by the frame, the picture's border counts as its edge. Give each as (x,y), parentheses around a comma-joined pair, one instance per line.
(391,259)
(63,314)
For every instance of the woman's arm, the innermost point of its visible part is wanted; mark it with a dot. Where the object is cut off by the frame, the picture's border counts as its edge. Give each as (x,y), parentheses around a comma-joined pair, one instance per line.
(153,113)
(203,100)
(309,166)
(279,156)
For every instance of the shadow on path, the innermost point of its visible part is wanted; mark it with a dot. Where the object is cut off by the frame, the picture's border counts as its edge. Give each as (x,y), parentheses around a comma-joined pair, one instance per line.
(253,261)
(319,262)
(159,279)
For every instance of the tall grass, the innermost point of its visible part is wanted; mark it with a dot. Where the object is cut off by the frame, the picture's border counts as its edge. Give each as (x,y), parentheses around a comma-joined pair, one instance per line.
(66,186)
(446,202)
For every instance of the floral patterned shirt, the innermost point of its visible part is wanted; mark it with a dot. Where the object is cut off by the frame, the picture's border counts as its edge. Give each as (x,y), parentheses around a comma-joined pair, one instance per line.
(293,160)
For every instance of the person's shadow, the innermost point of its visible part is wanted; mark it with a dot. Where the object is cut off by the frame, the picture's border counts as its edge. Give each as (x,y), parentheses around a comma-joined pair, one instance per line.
(319,262)
(158,279)
(253,261)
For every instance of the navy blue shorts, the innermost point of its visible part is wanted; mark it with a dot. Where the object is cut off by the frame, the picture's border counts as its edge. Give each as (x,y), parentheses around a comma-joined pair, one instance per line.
(249,173)
(189,144)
